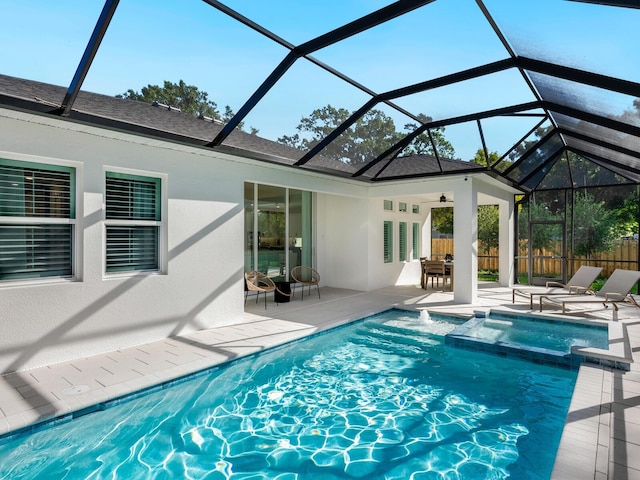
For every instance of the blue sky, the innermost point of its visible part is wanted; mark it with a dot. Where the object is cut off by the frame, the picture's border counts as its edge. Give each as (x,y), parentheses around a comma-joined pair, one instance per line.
(150,41)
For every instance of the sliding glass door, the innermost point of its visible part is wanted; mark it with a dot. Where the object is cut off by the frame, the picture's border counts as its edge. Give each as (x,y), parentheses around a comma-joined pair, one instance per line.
(278,233)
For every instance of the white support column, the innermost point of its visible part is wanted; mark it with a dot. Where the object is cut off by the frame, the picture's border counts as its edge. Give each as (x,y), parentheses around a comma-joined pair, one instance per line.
(465,242)
(506,242)
(425,250)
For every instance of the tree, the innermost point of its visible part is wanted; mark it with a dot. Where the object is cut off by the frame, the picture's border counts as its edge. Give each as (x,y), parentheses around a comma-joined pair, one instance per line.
(594,224)
(180,95)
(543,235)
(422,143)
(488,227)
(188,98)
(442,220)
(521,149)
(372,134)
(481,159)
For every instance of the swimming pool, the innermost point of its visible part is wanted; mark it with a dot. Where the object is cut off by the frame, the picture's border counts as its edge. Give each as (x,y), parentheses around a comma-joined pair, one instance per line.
(380,398)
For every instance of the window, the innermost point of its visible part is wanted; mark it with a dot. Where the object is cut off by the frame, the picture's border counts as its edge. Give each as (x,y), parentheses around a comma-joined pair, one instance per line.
(132,222)
(402,207)
(388,205)
(388,241)
(415,208)
(415,241)
(402,236)
(37,220)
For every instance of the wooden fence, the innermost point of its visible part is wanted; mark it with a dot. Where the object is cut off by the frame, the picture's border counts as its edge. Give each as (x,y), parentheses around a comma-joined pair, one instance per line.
(624,255)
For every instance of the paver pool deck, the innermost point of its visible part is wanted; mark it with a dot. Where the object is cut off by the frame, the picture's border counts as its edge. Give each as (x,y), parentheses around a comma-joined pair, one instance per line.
(601,438)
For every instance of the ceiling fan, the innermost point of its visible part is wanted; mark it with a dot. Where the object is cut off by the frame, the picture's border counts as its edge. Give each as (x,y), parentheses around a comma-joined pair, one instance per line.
(443,199)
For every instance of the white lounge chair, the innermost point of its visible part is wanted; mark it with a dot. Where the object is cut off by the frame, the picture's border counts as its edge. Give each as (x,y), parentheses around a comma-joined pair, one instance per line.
(615,290)
(579,283)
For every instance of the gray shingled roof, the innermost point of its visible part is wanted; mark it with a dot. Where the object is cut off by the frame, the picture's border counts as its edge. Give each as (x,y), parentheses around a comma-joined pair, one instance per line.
(170,124)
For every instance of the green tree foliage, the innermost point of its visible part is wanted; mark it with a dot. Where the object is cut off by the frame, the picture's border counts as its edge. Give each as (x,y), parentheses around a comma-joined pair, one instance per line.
(188,98)
(626,213)
(540,132)
(488,227)
(371,135)
(422,144)
(543,236)
(481,159)
(442,220)
(594,226)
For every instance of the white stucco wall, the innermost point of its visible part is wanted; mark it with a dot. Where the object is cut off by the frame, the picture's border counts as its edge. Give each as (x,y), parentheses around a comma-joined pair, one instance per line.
(50,321)
(45,322)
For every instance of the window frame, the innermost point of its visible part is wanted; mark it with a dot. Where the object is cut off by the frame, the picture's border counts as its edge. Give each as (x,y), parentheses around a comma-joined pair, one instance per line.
(387,241)
(160,222)
(415,240)
(402,241)
(75,169)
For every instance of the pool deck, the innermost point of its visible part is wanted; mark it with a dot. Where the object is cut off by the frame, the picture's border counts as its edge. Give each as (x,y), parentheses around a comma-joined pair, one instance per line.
(601,439)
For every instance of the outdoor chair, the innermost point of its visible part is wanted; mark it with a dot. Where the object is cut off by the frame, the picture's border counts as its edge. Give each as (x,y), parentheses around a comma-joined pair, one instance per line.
(436,269)
(579,283)
(258,282)
(305,276)
(423,272)
(614,291)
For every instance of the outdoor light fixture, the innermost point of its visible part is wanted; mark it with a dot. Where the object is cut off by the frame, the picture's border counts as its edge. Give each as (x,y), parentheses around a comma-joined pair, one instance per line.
(443,199)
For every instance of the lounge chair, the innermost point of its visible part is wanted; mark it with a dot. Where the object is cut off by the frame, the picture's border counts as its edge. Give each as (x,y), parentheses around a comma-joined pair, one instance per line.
(579,283)
(305,276)
(615,290)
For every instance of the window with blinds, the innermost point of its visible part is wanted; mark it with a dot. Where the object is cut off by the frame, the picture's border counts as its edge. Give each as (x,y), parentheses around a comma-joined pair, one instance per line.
(388,241)
(133,222)
(37,220)
(402,240)
(415,241)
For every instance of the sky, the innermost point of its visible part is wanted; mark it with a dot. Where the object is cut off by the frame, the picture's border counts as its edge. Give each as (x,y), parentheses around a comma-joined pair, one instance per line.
(149,42)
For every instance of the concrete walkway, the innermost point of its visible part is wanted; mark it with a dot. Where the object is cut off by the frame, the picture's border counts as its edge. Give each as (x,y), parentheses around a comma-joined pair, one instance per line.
(601,439)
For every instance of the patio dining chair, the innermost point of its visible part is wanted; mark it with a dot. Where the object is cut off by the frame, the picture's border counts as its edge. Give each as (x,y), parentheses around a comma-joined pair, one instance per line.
(579,283)
(305,276)
(436,269)
(614,291)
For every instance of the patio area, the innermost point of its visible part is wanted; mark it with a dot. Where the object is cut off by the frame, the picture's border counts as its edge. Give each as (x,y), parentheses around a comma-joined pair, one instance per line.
(600,439)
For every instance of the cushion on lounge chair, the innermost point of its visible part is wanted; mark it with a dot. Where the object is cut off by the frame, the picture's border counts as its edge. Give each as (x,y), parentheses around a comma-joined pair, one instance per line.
(615,290)
(579,283)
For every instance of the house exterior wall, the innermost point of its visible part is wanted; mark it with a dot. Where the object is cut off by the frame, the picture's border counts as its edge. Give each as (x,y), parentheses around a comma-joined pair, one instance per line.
(49,321)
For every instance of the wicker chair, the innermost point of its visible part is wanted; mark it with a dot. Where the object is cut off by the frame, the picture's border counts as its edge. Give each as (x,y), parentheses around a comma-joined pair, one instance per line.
(258,282)
(305,276)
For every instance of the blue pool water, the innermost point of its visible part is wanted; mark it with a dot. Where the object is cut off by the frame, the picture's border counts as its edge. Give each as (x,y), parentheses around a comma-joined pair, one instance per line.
(552,335)
(383,398)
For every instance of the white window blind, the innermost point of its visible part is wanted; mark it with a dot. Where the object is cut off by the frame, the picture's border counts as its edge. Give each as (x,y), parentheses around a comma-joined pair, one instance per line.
(388,241)
(402,239)
(132,222)
(37,219)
